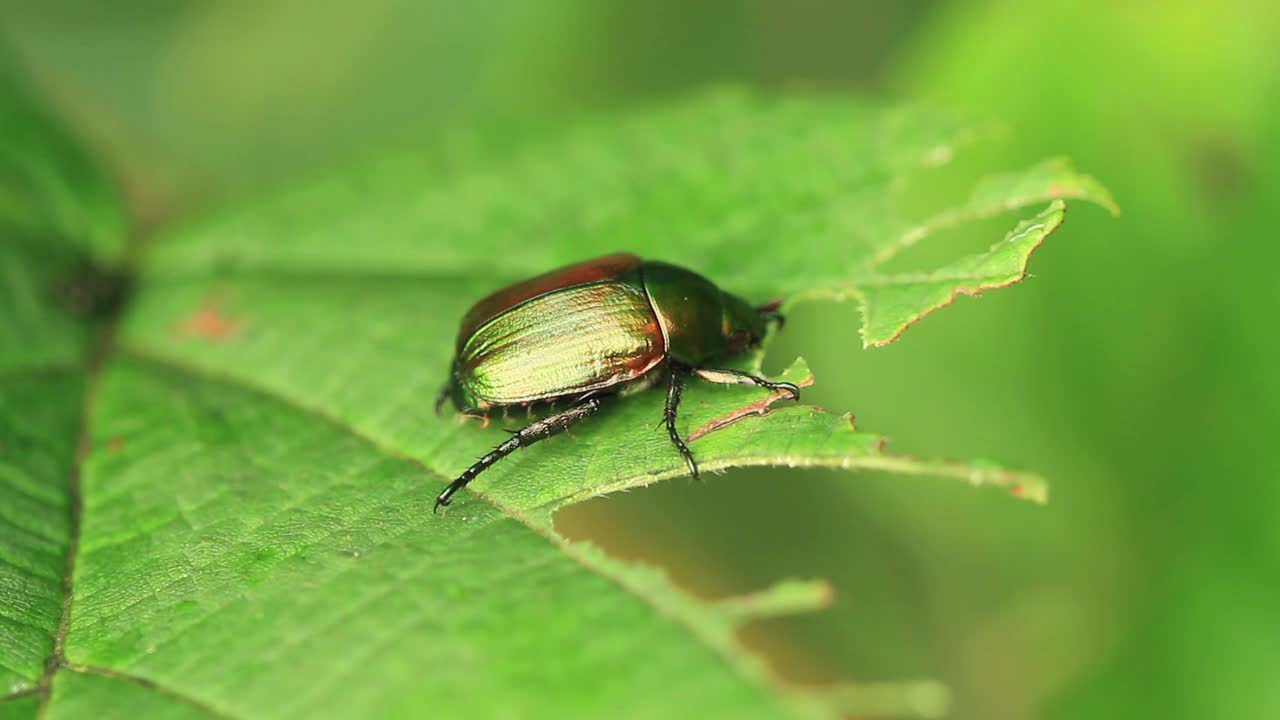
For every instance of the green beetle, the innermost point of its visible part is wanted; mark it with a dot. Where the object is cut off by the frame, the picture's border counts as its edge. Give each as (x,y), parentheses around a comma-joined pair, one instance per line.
(603,327)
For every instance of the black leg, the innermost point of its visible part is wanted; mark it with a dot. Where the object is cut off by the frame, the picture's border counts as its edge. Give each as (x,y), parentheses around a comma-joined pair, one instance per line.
(674,389)
(443,395)
(445,391)
(737,377)
(525,437)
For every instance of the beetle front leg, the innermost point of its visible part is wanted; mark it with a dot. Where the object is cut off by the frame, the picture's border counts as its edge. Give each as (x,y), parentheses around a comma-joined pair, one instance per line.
(737,377)
(443,396)
(445,391)
(524,437)
(675,389)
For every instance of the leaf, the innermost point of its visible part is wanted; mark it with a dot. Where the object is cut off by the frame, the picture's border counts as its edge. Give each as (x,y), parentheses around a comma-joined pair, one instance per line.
(890,303)
(47,207)
(255,536)
(39,418)
(57,214)
(50,191)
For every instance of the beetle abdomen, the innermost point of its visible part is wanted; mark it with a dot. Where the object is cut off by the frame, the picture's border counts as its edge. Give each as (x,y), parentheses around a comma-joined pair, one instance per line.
(565,342)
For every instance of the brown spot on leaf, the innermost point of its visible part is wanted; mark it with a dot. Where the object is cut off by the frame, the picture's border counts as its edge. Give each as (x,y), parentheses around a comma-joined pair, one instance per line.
(209,321)
(1220,168)
(115,444)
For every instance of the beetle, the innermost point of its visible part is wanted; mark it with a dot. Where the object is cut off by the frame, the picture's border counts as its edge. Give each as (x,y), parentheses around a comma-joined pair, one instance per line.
(604,327)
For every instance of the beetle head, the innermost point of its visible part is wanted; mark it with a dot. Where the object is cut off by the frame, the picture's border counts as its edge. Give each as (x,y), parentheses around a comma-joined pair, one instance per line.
(744,326)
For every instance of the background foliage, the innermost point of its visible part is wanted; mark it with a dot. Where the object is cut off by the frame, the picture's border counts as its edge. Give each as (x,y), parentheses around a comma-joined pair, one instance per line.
(1134,369)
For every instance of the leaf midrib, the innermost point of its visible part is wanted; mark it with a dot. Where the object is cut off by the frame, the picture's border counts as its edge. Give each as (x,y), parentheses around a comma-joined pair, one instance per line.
(96,358)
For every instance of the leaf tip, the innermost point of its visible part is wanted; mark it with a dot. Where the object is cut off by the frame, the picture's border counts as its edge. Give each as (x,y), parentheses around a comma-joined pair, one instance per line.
(787,597)
(1036,490)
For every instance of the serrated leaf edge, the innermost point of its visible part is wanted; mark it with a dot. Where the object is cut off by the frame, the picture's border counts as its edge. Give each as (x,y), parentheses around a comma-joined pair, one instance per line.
(1043,224)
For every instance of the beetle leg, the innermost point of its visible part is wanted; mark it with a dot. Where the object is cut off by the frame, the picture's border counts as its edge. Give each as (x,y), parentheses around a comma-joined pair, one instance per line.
(443,395)
(525,437)
(445,391)
(675,389)
(737,377)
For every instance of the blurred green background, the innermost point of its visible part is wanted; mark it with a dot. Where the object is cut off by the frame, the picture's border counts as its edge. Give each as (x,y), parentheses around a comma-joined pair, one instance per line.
(1135,369)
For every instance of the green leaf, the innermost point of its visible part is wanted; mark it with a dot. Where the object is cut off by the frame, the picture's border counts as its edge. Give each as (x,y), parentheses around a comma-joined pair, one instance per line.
(50,191)
(39,419)
(58,217)
(890,303)
(255,535)
(106,697)
(19,707)
(46,208)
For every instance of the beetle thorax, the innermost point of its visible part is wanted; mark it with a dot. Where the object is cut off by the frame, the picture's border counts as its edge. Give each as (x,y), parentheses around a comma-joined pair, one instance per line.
(699,321)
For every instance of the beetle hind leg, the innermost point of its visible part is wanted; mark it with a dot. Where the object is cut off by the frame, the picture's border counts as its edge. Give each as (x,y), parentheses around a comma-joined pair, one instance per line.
(675,388)
(737,377)
(526,436)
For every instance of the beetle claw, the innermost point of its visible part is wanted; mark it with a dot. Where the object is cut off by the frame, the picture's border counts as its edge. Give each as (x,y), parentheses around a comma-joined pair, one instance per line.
(789,388)
(693,467)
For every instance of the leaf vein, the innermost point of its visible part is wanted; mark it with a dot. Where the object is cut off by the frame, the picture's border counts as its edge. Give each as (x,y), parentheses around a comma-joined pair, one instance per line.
(149,684)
